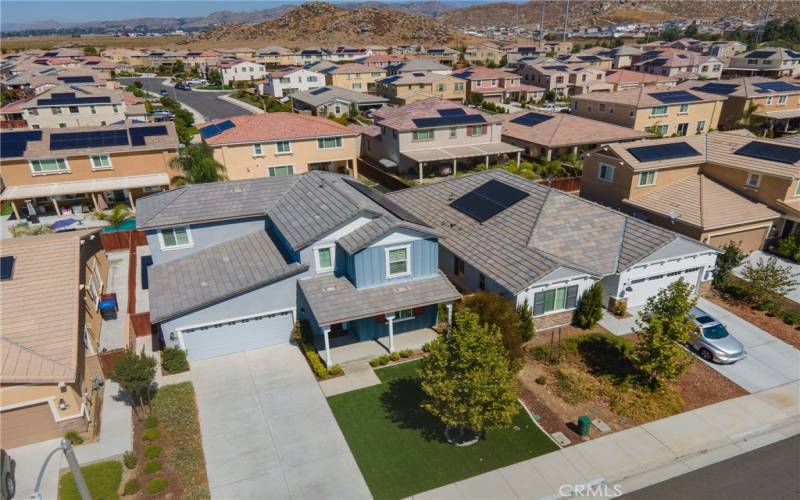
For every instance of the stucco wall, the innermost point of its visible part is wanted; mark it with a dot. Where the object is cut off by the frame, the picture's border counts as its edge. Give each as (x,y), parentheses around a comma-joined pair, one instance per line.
(204,236)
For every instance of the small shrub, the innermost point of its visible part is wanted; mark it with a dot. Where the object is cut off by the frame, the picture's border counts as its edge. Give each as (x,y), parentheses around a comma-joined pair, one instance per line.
(590,307)
(73,438)
(576,386)
(151,434)
(771,308)
(152,466)
(406,353)
(395,356)
(426,347)
(383,360)
(130,460)
(157,485)
(132,486)
(152,451)
(317,366)
(150,422)
(375,362)
(335,370)
(541,380)
(620,308)
(173,359)
(790,316)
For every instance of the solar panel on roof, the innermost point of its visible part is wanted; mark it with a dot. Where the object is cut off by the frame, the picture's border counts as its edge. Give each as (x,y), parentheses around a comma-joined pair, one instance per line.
(777,86)
(6,267)
(13,144)
(663,152)
(320,90)
(675,97)
(448,120)
(216,129)
(68,98)
(488,200)
(76,79)
(531,119)
(96,139)
(793,54)
(555,68)
(452,112)
(139,133)
(760,54)
(50,54)
(772,152)
(92,63)
(718,88)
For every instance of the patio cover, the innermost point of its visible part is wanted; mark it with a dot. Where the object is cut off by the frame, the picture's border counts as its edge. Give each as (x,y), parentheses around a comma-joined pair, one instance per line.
(335,300)
(75,187)
(780,114)
(457,152)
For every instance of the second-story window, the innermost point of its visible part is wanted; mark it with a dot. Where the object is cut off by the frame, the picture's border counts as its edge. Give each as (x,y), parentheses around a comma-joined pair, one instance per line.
(325,257)
(647,178)
(49,165)
(477,130)
(458,265)
(258,150)
(605,172)
(453,133)
(57,111)
(93,110)
(753,180)
(175,237)
(398,261)
(329,143)
(115,108)
(283,147)
(422,135)
(100,161)
(74,110)
(782,99)
(658,111)
(684,108)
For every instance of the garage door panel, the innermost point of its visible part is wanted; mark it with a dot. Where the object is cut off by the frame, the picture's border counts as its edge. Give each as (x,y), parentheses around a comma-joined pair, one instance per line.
(228,338)
(748,240)
(644,288)
(27,425)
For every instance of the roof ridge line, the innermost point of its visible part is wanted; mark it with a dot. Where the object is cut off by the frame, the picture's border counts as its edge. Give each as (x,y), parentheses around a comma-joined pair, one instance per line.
(700,197)
(185,188)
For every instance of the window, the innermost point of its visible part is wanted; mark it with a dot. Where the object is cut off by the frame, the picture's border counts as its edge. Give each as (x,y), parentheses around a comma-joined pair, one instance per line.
(557,299)
(647,178)
(601,107)
(458,86)
(329,143)
(481,281)
(797,189)
(281,171)
(94,287)
(375,74)
(769,100)
(658,111)
(683,109)
(589,107)
(477,130)
(325,257)
(440,87)
(701,125)
(403,315)
(74,110)
(458,264)
(258,150)
(308,79)
(33,112)
(782,99)
(57,111)
(453,133)
(632,112)
(356,86)
(93,109)
(175,237)
(85,339)
(422,135)
(62,125)
(397,261)
(606,173)
(283,147)
(100,161)
(115,108)
(753,180)
(287,80)
(49,165)
(683,128)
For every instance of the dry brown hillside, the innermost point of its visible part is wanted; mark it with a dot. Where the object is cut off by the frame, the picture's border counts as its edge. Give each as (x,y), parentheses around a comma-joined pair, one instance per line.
(325,24)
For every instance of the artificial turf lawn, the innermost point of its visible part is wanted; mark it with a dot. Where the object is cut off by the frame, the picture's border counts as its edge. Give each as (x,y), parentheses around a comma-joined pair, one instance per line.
(400,448)
(102,479)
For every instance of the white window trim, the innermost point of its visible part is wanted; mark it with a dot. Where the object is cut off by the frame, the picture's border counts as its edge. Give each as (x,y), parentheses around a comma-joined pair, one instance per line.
(341,141)
(683,112)
(600,172)
(52,172)
(398,319)
(665,113)
(281,153)
(431,138)
(750,176)
(260,146)
(318,268)
(408,260)
(165,248)
(279,166)
(95,167)
(655,175)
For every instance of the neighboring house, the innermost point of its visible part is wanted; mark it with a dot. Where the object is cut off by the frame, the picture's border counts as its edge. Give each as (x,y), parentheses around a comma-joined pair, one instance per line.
(661,110)
(720,187)
(418,66)
(497,86)
(719,48)
(777,101)
(238,70)
(625,79)
(292,80)
(274,55)
(318,247)
(519,238)
(622,56)
(442,55)
(354,76)
(344,54)
(594,60)
(552,136)
(81,170)
(281,144)
(132,57)
(681,64)
(336,101)
(407,88)
(484,53)
(565,79)
(434,135)
(49,365)
(67,106)
(773,62)
(36,82)
(383,60)
(244,53)
(405,49)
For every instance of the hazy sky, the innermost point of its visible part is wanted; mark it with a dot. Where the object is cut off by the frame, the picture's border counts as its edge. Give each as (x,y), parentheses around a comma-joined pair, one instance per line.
(24,11)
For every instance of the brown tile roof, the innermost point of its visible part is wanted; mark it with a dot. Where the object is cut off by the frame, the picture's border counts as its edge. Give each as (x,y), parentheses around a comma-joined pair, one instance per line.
(626,76)
(562,129)
(40,310)
(641,97)
(354,68)
(274,127)
(746,87)
(400,118)
(704,203)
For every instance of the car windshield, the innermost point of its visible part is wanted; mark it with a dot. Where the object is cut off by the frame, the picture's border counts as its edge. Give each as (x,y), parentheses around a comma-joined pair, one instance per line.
(715,332)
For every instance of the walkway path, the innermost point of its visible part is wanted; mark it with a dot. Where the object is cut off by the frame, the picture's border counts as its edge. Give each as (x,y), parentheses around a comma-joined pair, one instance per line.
(112,335)
(357,375)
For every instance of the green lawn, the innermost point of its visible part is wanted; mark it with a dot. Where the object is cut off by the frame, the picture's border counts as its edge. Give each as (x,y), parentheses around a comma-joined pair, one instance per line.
(102,479)
(400,448)
(6,209)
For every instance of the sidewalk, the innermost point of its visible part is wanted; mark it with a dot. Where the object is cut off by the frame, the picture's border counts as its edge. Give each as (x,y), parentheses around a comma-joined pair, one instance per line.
(644,455)
(112,335)
(249,107)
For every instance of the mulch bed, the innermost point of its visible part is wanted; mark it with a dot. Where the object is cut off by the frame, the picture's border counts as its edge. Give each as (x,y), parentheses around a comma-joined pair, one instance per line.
(701,386)
(772,325)
(560,332)
(174,490)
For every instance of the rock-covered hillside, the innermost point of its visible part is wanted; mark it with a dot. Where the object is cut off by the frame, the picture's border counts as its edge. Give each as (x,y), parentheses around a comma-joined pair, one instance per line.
(320,23)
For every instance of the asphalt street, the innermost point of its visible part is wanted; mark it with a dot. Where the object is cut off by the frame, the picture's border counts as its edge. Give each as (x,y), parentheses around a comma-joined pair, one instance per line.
(205,103)
(771,472)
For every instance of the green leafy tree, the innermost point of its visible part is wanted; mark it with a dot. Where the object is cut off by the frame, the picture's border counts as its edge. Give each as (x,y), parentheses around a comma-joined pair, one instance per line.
(499,311)
(576,160)
(178,68)
(691,31)
(503,61)
(671,34)
(90,51)
(665,327)
(466,378)
(730,257)
(527,327)
(789,247)
(767,280)
(590,307)
(748,115)
(214,77)
(135,373)
(119,214)
(197,165)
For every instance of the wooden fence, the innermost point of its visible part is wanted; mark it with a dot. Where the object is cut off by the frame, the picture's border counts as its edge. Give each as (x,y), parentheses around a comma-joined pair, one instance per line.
(121,240)
(568,184)
(385,179)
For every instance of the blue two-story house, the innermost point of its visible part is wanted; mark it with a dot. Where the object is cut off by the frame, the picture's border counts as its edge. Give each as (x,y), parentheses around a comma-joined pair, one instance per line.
(235,264)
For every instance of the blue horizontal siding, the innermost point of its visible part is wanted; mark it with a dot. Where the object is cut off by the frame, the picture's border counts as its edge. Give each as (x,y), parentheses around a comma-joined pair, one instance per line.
(367,267)
(370,329)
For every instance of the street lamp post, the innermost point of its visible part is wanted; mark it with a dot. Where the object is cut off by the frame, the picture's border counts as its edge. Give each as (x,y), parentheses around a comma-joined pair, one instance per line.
(74,466)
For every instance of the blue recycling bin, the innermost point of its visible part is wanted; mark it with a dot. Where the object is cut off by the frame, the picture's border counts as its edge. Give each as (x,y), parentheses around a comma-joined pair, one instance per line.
(108,306)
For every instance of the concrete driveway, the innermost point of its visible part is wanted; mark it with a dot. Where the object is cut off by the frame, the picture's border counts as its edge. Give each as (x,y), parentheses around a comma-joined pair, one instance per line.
(268,431)
(770,362)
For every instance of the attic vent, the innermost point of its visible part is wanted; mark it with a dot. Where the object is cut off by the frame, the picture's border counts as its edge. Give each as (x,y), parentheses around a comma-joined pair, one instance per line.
(330,288)
(400,289)
(6,267)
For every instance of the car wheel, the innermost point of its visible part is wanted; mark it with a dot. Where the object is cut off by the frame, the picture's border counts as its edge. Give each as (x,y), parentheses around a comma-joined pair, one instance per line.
(11,486)
(706,354)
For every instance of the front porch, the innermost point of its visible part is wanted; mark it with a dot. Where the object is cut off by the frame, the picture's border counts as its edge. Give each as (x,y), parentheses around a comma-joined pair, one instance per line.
(348,348)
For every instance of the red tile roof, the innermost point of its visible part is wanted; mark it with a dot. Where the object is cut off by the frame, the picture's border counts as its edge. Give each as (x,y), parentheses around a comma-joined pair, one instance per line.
(275,127)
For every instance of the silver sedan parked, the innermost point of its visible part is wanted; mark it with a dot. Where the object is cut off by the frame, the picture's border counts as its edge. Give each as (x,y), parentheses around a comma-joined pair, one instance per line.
(712,340)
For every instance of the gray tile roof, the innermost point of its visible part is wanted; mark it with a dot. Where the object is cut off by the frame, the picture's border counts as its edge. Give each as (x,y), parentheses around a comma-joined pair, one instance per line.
(335,299)
(318,97)
(545,231)
(215,274)
(377,229)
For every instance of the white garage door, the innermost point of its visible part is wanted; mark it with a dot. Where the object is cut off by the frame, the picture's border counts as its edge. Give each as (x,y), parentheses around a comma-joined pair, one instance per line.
(239,335)
(644,288)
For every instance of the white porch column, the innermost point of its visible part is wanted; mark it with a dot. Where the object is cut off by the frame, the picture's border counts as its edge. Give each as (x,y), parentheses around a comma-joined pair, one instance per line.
(55,205)
(519,158)
(420,171)
(455,166)
(94,201)
(325,331)
(487,162)
(130,198)
(390,318)
(449,313)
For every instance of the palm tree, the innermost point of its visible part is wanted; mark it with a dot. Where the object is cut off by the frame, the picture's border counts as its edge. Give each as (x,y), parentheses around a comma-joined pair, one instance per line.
(748,114)
(197,166)
(119,214)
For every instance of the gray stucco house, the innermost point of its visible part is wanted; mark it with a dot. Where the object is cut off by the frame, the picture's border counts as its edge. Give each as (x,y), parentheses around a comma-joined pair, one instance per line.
(235,264)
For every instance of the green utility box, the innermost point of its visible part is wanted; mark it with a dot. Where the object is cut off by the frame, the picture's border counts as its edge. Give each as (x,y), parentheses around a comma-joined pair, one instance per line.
(583,425)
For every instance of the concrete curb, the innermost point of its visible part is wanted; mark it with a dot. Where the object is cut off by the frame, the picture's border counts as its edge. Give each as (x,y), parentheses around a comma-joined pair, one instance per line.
(236,102)
(198,117)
